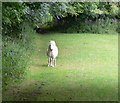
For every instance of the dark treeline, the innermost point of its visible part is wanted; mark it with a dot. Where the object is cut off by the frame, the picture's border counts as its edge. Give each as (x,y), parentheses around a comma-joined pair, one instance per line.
(100,24)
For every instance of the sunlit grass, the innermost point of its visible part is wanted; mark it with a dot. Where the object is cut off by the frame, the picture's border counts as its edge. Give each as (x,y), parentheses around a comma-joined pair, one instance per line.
(87,69)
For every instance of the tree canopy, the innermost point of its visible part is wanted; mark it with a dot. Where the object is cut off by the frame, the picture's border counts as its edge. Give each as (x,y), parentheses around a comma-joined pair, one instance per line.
(16,13)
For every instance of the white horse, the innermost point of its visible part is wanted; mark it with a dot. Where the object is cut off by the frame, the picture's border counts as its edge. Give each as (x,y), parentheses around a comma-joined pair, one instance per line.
(52,53)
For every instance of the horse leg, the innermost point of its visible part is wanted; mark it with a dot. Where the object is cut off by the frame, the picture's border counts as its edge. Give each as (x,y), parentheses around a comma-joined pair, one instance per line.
(52,62)
(55,62)
(48,61)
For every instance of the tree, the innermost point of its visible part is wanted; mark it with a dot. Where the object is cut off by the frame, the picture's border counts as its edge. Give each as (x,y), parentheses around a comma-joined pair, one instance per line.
(16,13)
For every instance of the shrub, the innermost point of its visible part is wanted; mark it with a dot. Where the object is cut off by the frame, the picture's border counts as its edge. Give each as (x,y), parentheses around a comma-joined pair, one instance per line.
(14,62)
(100,26)
(15,58)
(118,27)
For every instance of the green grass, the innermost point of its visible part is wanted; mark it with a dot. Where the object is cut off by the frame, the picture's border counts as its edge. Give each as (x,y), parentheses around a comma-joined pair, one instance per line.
(87,70)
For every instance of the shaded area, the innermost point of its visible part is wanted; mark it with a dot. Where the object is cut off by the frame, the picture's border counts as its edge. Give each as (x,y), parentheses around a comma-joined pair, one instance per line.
(37,91)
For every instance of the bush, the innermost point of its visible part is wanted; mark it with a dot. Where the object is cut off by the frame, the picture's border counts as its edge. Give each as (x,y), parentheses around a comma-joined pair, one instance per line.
(118,27)
(98,26)
(14,61)
(15,58)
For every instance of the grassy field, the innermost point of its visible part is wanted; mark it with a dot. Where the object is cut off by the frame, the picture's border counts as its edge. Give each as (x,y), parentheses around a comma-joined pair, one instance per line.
(87,70)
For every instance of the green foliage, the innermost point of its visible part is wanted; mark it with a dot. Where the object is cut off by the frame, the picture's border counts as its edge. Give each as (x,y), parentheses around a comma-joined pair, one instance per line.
(99,26)
(37,13)
(14,62)
(87,25)
(118,27)
(16,13)
(111,8)
(12,18)
(16,58)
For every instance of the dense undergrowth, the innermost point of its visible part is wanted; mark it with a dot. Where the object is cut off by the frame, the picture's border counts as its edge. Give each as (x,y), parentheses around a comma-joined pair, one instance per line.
(16,57)
(80,25)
